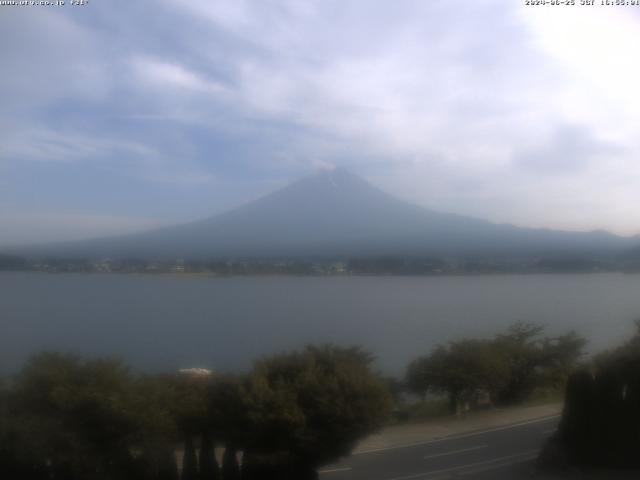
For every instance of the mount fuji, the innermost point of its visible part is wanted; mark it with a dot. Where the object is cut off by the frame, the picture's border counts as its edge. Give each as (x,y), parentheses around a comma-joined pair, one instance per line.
(335,214)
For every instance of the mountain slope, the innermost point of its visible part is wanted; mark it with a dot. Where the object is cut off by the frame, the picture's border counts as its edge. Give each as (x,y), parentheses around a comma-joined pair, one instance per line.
(335,213)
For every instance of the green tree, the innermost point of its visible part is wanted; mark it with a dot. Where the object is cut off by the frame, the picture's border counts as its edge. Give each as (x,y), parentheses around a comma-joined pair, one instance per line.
(209,468)
(561,356)
(189,460)
(191,411)
(417,378)
(600,425)
(72,418)
(157,426)
(521,346)
(462,370)
(311,406)
(227,410)
(69,418)
(230,466)
(536,361)
(507,368)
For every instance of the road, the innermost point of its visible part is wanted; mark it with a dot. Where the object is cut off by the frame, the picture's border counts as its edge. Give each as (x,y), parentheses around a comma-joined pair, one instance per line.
(506,452)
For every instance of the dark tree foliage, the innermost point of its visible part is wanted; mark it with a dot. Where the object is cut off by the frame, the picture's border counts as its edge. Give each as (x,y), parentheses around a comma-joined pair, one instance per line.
(600,425)
(191,407)
(189,460)
(264,467)
(418,379)
(525,356)
(72,418)
(313,405)
(281,466)
(575,428)
(68,418)
(65,418)
(155,404)
(227,410)
(230,465)
(536,361)
(209,468)
(461,370)
(167,468)
(507,368)
(560,357)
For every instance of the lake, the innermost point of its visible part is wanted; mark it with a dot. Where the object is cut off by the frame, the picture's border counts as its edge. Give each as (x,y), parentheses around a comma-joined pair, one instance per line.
(169,322)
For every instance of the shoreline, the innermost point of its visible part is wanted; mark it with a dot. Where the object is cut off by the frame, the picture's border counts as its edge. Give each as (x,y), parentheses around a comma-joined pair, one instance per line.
(319,275)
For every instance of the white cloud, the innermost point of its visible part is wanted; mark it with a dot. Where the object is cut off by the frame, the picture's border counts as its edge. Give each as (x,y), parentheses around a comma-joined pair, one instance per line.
(528,115)
(47,57)
(593,48)
(21,227)
(167,75)
(39,143)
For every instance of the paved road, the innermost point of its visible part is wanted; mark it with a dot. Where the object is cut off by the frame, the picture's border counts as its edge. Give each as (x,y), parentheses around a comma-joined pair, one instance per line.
(506,452)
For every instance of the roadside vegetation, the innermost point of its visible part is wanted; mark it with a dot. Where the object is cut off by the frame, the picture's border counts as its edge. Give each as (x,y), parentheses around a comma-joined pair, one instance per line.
(511,368)
(600,425)
(68,418)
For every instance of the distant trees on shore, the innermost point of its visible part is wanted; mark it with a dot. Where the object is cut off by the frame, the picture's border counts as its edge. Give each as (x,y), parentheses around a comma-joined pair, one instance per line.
(503,370)
(340,265)
(66,418)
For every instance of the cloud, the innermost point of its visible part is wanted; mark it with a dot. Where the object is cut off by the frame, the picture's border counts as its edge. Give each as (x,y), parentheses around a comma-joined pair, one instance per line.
(486,108)
(162,74)
(24,227)
(571,149)
(30,142)
(390,78)
(591,50)
(47,57)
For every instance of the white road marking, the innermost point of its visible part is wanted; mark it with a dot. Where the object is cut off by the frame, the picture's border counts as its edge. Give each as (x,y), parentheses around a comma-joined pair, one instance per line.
(457,437)
(335,470)
(484,465)
(454,452)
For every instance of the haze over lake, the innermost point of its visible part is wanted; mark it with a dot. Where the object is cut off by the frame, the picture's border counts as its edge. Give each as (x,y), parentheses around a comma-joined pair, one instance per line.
(168,322)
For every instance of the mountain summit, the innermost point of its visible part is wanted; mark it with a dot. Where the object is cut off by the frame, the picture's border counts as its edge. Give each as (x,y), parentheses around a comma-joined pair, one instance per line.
(335,213)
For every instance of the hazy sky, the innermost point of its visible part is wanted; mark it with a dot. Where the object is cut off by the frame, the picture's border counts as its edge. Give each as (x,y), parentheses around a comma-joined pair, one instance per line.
(122,115)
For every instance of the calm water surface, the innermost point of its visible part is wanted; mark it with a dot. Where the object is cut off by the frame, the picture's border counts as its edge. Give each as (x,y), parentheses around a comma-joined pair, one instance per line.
(168,322)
